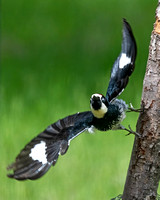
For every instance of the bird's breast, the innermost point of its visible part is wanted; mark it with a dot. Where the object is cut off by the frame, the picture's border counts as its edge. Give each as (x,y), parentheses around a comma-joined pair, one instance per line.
(110,120)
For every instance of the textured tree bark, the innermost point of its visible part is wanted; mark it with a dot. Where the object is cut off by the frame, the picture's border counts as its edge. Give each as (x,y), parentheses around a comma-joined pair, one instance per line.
(144,169)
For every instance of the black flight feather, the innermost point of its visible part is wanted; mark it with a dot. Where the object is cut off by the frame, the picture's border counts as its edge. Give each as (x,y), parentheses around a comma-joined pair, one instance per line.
(124,65)
(55,140)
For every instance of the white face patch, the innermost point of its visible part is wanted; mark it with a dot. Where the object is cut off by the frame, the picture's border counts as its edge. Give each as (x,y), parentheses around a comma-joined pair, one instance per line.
(38,152)
(101,112)
(124,60)
(103,109)
(96,95)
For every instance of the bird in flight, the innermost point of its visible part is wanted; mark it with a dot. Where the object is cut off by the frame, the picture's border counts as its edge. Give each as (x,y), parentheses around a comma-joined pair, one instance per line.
(107,113)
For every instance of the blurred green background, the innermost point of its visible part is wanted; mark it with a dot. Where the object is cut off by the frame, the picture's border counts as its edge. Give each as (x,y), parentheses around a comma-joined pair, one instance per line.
(55,55)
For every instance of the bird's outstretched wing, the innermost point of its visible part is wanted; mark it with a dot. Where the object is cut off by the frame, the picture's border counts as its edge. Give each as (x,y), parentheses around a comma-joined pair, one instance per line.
(43,151)
(124,65)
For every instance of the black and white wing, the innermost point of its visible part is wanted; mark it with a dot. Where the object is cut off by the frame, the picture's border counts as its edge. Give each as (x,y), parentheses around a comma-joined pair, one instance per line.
(43,151)
(124,65)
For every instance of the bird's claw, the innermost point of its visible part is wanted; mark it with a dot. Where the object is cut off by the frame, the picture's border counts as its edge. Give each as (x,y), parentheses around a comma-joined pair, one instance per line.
(132,109)
(130,131)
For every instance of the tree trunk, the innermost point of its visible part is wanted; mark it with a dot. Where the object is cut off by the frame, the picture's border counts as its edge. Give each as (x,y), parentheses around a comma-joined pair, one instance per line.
(144,169)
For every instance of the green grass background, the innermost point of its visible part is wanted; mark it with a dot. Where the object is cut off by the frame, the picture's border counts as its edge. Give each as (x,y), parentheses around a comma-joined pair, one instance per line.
(55,55)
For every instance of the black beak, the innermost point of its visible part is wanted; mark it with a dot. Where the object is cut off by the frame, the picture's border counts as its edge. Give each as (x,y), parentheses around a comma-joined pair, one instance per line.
(96,103)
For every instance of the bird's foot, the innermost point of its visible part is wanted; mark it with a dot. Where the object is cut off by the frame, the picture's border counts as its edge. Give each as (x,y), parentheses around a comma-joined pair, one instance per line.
(132,109)
(130,131)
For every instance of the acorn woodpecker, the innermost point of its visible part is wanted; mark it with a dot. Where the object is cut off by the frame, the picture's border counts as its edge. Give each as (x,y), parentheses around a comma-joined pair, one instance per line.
(106,113)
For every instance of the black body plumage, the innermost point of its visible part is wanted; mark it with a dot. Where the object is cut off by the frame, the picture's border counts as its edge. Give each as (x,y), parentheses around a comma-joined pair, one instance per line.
(106,114)
(113,117)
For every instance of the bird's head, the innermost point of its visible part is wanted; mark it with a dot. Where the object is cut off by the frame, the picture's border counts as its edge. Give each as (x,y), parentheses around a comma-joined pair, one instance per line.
(99,105)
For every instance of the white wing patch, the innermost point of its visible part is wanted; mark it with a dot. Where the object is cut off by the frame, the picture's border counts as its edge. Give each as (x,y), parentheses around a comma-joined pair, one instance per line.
(38,152)
(124,60)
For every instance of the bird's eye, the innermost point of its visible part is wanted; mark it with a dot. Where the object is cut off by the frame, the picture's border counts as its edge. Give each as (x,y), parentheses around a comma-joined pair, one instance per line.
(103,99)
